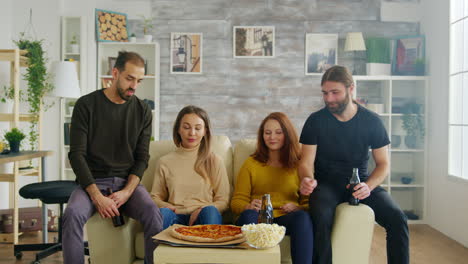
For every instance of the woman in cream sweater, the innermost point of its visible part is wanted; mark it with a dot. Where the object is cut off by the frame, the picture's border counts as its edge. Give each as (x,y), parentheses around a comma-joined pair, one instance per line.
(273,169)
(190,184)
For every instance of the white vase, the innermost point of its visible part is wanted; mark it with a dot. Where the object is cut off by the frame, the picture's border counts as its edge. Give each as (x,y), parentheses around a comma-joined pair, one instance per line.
(132,39)
(75,48)
(378,69)
(148,38)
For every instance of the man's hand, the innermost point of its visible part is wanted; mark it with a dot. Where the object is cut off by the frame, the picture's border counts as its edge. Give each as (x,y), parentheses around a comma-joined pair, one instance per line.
(120,197)
(290,207)
(361,191)
(255,204)
(194,216)
(106,207)
(170,207)
(307,185)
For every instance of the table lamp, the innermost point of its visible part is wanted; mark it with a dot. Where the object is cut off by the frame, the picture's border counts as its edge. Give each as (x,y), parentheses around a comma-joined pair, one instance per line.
(354,42)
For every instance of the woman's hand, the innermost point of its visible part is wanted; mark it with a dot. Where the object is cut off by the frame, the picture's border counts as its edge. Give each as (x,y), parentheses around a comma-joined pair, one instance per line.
(255,204)
(170,207)
(290,207)
(194,216)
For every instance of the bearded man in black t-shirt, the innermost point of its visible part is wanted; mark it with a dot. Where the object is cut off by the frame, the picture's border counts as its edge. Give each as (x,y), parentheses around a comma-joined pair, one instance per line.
(335,140)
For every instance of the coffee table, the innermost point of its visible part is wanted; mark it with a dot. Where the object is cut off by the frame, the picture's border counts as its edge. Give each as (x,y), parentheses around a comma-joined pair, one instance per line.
(165,254)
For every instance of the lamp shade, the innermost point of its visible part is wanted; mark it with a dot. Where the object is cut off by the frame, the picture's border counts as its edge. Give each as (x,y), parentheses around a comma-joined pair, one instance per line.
(354,42)
(65,80)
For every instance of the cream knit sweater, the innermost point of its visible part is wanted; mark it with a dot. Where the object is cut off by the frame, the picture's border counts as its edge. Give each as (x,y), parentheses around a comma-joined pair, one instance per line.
(176,183)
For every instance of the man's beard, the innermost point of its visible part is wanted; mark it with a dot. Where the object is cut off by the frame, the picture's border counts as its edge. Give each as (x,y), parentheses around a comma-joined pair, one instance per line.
(341,106)
(122,92)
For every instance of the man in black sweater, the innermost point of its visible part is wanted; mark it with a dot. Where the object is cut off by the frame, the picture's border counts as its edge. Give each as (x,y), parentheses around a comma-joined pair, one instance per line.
(109,144)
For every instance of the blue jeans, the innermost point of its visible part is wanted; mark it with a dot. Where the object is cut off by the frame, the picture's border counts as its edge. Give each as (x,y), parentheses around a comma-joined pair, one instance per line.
(208,215)
(298,226)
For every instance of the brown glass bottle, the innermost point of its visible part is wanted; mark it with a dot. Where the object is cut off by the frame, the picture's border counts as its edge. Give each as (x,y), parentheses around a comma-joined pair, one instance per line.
(265,215)
(117,220)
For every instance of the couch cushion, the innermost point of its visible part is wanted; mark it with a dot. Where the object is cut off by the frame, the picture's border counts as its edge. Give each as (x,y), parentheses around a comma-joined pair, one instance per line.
(243,149)
(221,145)
(140,245)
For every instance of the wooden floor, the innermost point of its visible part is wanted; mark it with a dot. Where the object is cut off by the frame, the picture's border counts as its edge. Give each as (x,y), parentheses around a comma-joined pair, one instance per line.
(427,246)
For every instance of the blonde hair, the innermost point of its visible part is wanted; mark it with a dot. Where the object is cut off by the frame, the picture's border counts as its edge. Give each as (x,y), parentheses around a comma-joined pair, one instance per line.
(205,157)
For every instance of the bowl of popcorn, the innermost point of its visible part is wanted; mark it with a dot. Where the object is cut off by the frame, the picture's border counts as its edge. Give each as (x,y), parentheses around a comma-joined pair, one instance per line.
(263,236)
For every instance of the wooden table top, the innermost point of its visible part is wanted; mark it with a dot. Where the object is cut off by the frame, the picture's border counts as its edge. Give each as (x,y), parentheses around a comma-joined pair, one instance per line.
(24,155)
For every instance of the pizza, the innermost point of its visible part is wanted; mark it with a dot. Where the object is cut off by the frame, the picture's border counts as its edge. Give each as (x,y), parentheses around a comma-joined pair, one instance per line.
(207,233)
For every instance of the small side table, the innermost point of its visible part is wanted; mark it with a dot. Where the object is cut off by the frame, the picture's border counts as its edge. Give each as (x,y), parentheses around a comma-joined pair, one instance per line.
(165,254)
(14,178)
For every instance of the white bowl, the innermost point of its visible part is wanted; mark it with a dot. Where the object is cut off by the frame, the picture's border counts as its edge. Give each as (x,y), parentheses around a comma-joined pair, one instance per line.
(263,236)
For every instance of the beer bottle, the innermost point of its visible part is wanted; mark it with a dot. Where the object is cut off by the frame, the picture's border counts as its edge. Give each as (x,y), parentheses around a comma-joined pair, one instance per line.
(265,215)
(117,220)
(352,183)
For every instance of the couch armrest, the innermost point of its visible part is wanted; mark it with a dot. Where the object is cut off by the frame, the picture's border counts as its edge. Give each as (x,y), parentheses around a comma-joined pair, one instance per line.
(109,244)
(352,234)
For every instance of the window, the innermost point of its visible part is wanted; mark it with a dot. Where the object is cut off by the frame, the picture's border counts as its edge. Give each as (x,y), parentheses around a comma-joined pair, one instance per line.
(458,101)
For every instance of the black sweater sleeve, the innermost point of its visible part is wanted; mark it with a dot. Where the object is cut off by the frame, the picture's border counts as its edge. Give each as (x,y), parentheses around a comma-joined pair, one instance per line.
(78,144)
(141,153)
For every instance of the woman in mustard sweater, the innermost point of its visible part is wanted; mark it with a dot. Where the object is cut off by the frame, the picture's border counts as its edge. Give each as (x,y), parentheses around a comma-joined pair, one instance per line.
(273,169)
(191,184)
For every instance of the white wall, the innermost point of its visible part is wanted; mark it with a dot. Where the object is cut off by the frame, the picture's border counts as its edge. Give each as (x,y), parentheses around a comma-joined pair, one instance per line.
(447,207)
(46,24)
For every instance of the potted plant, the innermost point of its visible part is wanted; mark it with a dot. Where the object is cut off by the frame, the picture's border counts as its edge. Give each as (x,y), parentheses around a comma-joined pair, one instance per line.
(75,48)
(378,56)
(147,24)
(132,38)
(39,82)
(7,98)
(14,137)
(413,124)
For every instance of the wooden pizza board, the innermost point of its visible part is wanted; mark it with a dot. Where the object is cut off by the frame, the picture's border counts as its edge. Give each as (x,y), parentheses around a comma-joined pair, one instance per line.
(166,238)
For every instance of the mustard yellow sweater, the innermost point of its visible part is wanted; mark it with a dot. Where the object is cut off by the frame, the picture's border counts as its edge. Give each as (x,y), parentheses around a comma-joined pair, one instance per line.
(176,183)
(256,178)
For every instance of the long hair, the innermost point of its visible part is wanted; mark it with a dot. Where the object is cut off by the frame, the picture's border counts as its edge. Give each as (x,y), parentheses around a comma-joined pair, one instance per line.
(290,152)
(338,74)
(205,158)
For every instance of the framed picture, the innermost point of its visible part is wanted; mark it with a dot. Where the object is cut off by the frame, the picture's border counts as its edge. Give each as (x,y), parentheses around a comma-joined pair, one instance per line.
(320,53)
(253,42)
(186,53)
(106,82)
(409,58)
(110,64)
(111,26)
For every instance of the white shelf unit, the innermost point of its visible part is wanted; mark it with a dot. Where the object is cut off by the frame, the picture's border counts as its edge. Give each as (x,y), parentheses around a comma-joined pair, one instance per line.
(390,93)
(149,87)
(71,26)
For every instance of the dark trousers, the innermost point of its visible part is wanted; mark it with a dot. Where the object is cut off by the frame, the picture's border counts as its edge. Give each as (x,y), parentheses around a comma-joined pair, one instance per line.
(322,204)
(298,226)
(80,208)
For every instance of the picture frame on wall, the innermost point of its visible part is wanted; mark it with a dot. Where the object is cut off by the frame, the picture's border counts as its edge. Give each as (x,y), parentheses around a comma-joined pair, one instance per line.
(110,64)
(409,56)
(320,53)
(253,42)
(186,53)
(106,82)
(111,26)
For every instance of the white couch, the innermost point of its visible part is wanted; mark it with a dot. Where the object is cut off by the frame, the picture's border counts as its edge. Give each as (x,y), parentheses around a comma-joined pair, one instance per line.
(351,236)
